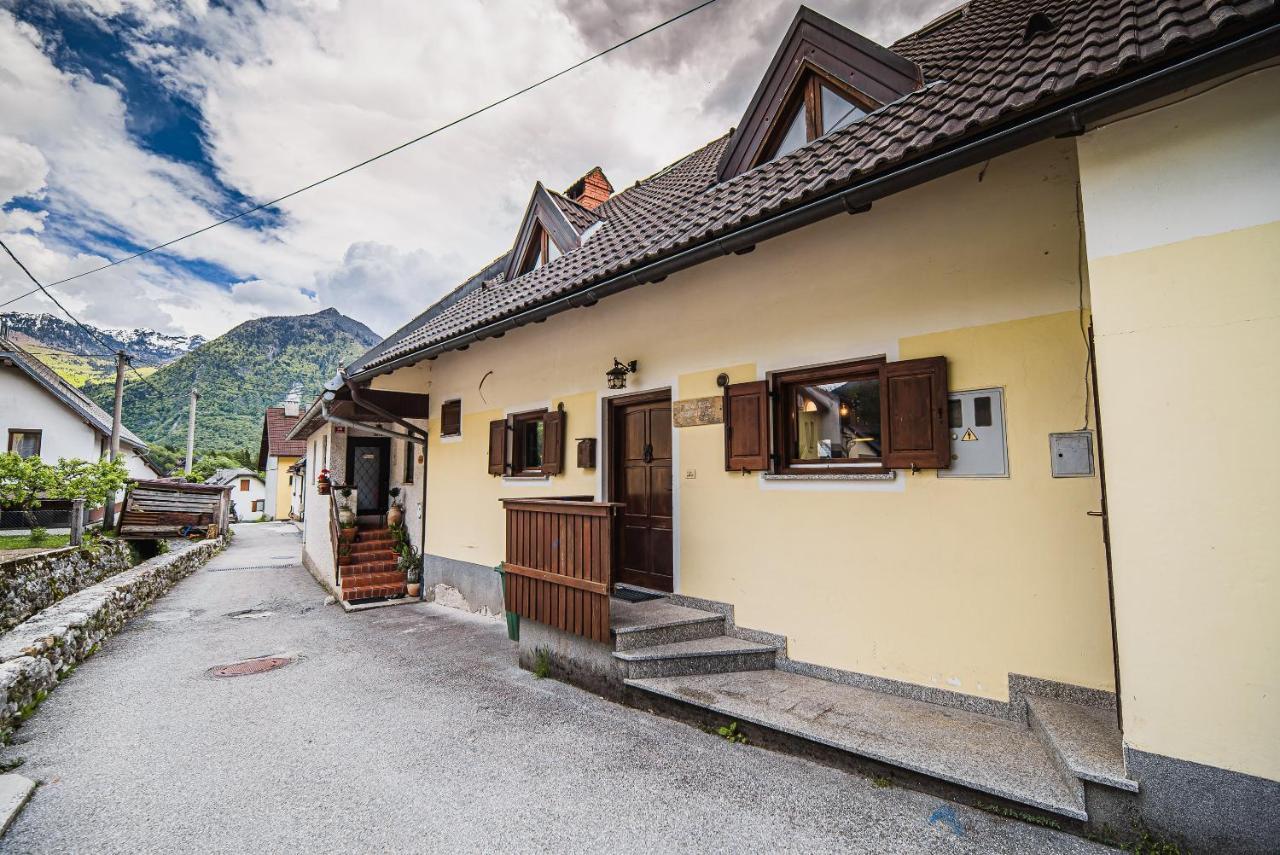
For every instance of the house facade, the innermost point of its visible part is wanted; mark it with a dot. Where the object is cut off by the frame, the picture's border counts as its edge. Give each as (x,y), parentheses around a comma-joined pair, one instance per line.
(276,456)
(44,416)
(248,492)
(891,380)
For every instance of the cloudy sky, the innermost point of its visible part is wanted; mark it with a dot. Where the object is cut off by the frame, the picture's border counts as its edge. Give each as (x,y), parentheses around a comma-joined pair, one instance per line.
(124,123)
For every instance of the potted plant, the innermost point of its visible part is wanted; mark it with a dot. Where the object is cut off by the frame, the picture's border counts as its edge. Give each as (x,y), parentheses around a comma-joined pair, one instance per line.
(395,514)
(346,514)
(411,564)
(322,482)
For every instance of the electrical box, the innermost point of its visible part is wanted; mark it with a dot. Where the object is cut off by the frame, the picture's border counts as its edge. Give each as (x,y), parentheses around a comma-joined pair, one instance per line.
(1071,454)
(978,447)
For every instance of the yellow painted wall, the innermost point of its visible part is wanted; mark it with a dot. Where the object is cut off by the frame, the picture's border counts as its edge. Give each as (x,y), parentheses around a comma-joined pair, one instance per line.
(953,583)
(1187,312)
(283,493)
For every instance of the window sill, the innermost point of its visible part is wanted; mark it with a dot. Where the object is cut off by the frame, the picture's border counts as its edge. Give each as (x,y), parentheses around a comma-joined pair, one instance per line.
(833,476)
(536,476)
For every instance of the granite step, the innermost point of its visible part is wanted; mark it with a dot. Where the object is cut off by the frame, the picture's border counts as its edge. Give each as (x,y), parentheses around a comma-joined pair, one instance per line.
(714,655)
(990,755)
(654,622)
(1085,741)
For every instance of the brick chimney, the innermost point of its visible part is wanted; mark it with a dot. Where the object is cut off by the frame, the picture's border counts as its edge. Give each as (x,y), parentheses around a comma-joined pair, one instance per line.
(591,190)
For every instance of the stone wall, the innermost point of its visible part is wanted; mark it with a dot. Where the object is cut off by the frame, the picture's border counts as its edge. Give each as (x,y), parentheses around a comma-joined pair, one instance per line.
(33,582)
(36,654)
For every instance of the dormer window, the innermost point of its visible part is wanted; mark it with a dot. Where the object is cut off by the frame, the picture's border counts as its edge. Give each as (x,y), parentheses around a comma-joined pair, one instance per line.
(823,77)
(817,107)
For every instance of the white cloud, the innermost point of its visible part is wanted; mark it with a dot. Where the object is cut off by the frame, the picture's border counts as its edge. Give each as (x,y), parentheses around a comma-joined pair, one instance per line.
(288,92)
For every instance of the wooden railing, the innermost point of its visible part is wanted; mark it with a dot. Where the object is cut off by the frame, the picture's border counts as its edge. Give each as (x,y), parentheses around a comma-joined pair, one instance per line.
(335,539)
(559,565)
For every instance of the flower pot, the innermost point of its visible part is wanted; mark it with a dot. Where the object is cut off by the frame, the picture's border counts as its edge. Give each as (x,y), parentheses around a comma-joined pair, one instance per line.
(395,516)
(413,588)
(347,534)
(322,487)
(347,518)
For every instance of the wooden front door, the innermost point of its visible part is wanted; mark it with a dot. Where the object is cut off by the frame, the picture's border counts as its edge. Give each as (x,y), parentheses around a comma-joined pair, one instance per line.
(640,442)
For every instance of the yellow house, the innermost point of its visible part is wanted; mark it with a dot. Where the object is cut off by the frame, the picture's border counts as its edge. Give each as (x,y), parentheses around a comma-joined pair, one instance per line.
(276,455)
(807,428)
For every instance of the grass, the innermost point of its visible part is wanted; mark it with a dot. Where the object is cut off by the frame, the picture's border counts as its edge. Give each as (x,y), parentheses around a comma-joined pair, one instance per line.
(25,541)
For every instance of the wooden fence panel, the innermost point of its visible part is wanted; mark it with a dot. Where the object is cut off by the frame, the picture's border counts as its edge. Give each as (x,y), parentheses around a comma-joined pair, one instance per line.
(559,563)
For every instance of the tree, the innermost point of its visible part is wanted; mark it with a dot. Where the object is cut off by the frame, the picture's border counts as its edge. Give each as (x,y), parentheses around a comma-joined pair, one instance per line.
(93,482)
(24,481)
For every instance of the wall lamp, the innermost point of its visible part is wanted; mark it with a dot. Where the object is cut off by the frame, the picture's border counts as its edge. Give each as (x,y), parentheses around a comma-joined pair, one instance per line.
(617,375)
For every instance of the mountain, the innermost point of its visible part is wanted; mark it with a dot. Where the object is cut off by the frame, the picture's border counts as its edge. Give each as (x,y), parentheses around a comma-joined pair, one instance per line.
(79,358)
(238,375)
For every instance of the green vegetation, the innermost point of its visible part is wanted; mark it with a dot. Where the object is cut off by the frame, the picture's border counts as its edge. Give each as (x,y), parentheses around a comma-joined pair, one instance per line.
(542,665)
(240,374)
(1012,813)
(731,734)
(24,481)
(880,782)
(23,541)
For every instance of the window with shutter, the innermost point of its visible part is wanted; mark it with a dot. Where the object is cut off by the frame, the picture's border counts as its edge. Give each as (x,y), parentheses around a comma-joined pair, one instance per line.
(451,418)
(528,443)
(553,443)
(498,447)
(746,427)
(916,414)
(828,419)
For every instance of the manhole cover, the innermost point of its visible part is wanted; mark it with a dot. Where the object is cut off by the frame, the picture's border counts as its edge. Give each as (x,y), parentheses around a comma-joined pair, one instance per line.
(250,666)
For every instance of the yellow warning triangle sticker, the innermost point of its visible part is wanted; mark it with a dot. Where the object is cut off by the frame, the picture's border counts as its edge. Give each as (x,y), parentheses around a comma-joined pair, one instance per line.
(969,436)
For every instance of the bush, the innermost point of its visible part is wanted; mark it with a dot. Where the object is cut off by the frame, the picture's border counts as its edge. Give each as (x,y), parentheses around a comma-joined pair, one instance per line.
(38,534)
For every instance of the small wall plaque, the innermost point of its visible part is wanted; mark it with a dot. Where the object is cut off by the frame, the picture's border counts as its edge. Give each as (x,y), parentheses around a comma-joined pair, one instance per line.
(587,452)
(698,411)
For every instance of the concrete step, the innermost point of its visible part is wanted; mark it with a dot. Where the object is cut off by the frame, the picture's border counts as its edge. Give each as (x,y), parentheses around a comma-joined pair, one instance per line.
(989,755)
(714,655)
(654,622)
(1084,741)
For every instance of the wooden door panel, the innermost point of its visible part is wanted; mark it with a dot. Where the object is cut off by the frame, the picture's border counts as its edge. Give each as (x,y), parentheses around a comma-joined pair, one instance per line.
(642,443)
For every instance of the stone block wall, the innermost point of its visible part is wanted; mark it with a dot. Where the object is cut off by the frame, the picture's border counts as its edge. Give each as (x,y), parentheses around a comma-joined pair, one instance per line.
(33,582)
(36,654)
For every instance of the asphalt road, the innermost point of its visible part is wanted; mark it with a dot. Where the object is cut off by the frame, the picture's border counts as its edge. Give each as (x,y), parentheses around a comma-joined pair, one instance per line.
(410,729)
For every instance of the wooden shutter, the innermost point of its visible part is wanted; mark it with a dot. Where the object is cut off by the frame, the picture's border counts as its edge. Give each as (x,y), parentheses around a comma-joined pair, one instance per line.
(451,418)
(746,426)
(553,443)
(915,420)
(498,447)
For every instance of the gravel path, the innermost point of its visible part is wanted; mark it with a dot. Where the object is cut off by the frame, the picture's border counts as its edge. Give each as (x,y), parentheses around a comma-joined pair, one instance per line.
(410,729)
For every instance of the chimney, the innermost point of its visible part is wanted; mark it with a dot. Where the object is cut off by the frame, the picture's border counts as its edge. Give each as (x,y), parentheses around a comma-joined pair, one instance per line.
(591,190)
(291,405)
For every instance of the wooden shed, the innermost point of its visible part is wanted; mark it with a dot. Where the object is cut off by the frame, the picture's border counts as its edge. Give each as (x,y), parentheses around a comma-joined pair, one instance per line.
(173,508)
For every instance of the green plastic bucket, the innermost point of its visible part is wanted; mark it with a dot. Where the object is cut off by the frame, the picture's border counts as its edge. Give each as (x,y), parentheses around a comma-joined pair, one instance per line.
(513,618)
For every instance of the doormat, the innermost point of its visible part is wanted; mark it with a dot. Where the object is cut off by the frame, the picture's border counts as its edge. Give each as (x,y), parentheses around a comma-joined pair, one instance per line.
(631,595)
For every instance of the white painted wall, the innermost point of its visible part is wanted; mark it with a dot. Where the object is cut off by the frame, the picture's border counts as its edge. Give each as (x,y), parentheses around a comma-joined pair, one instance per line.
(244,499)
(274,475)
(25,404)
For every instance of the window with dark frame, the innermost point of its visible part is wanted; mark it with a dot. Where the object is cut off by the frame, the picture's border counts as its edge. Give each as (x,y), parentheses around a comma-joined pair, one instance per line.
(829,419)
(542,251)
(528,442)
(817,105)
(410,454)
(25,442)
(451,418)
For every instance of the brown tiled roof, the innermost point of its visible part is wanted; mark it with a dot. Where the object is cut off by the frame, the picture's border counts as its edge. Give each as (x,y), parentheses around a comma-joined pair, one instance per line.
(980,70)
(579,216)
(275,427)
(72,397)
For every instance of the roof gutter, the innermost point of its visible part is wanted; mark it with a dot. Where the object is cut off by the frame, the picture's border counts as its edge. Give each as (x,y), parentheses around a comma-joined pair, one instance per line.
(1067,119)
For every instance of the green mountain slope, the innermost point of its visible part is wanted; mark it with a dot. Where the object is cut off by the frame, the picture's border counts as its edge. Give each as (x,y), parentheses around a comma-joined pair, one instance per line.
(240,374)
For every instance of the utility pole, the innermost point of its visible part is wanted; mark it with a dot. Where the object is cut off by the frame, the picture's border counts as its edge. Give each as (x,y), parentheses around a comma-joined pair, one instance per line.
(191,429)
(109,513)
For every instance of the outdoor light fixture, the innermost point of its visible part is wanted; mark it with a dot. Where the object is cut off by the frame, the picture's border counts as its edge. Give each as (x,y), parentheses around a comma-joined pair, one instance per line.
(617,375)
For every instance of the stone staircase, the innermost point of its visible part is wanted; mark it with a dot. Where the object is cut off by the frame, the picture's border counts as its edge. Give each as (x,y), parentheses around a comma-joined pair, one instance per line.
(1053,760)
(370,570)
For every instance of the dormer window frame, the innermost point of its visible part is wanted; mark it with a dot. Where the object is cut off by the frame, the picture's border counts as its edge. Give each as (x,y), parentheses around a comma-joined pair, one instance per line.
(545,234)
(805,93)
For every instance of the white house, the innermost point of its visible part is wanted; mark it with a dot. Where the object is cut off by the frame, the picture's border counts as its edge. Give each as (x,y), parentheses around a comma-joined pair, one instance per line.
(42,415)
(248,491)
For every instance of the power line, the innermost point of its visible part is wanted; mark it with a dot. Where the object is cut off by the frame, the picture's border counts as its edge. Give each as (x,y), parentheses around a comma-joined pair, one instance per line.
(84,329)
(486,108)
